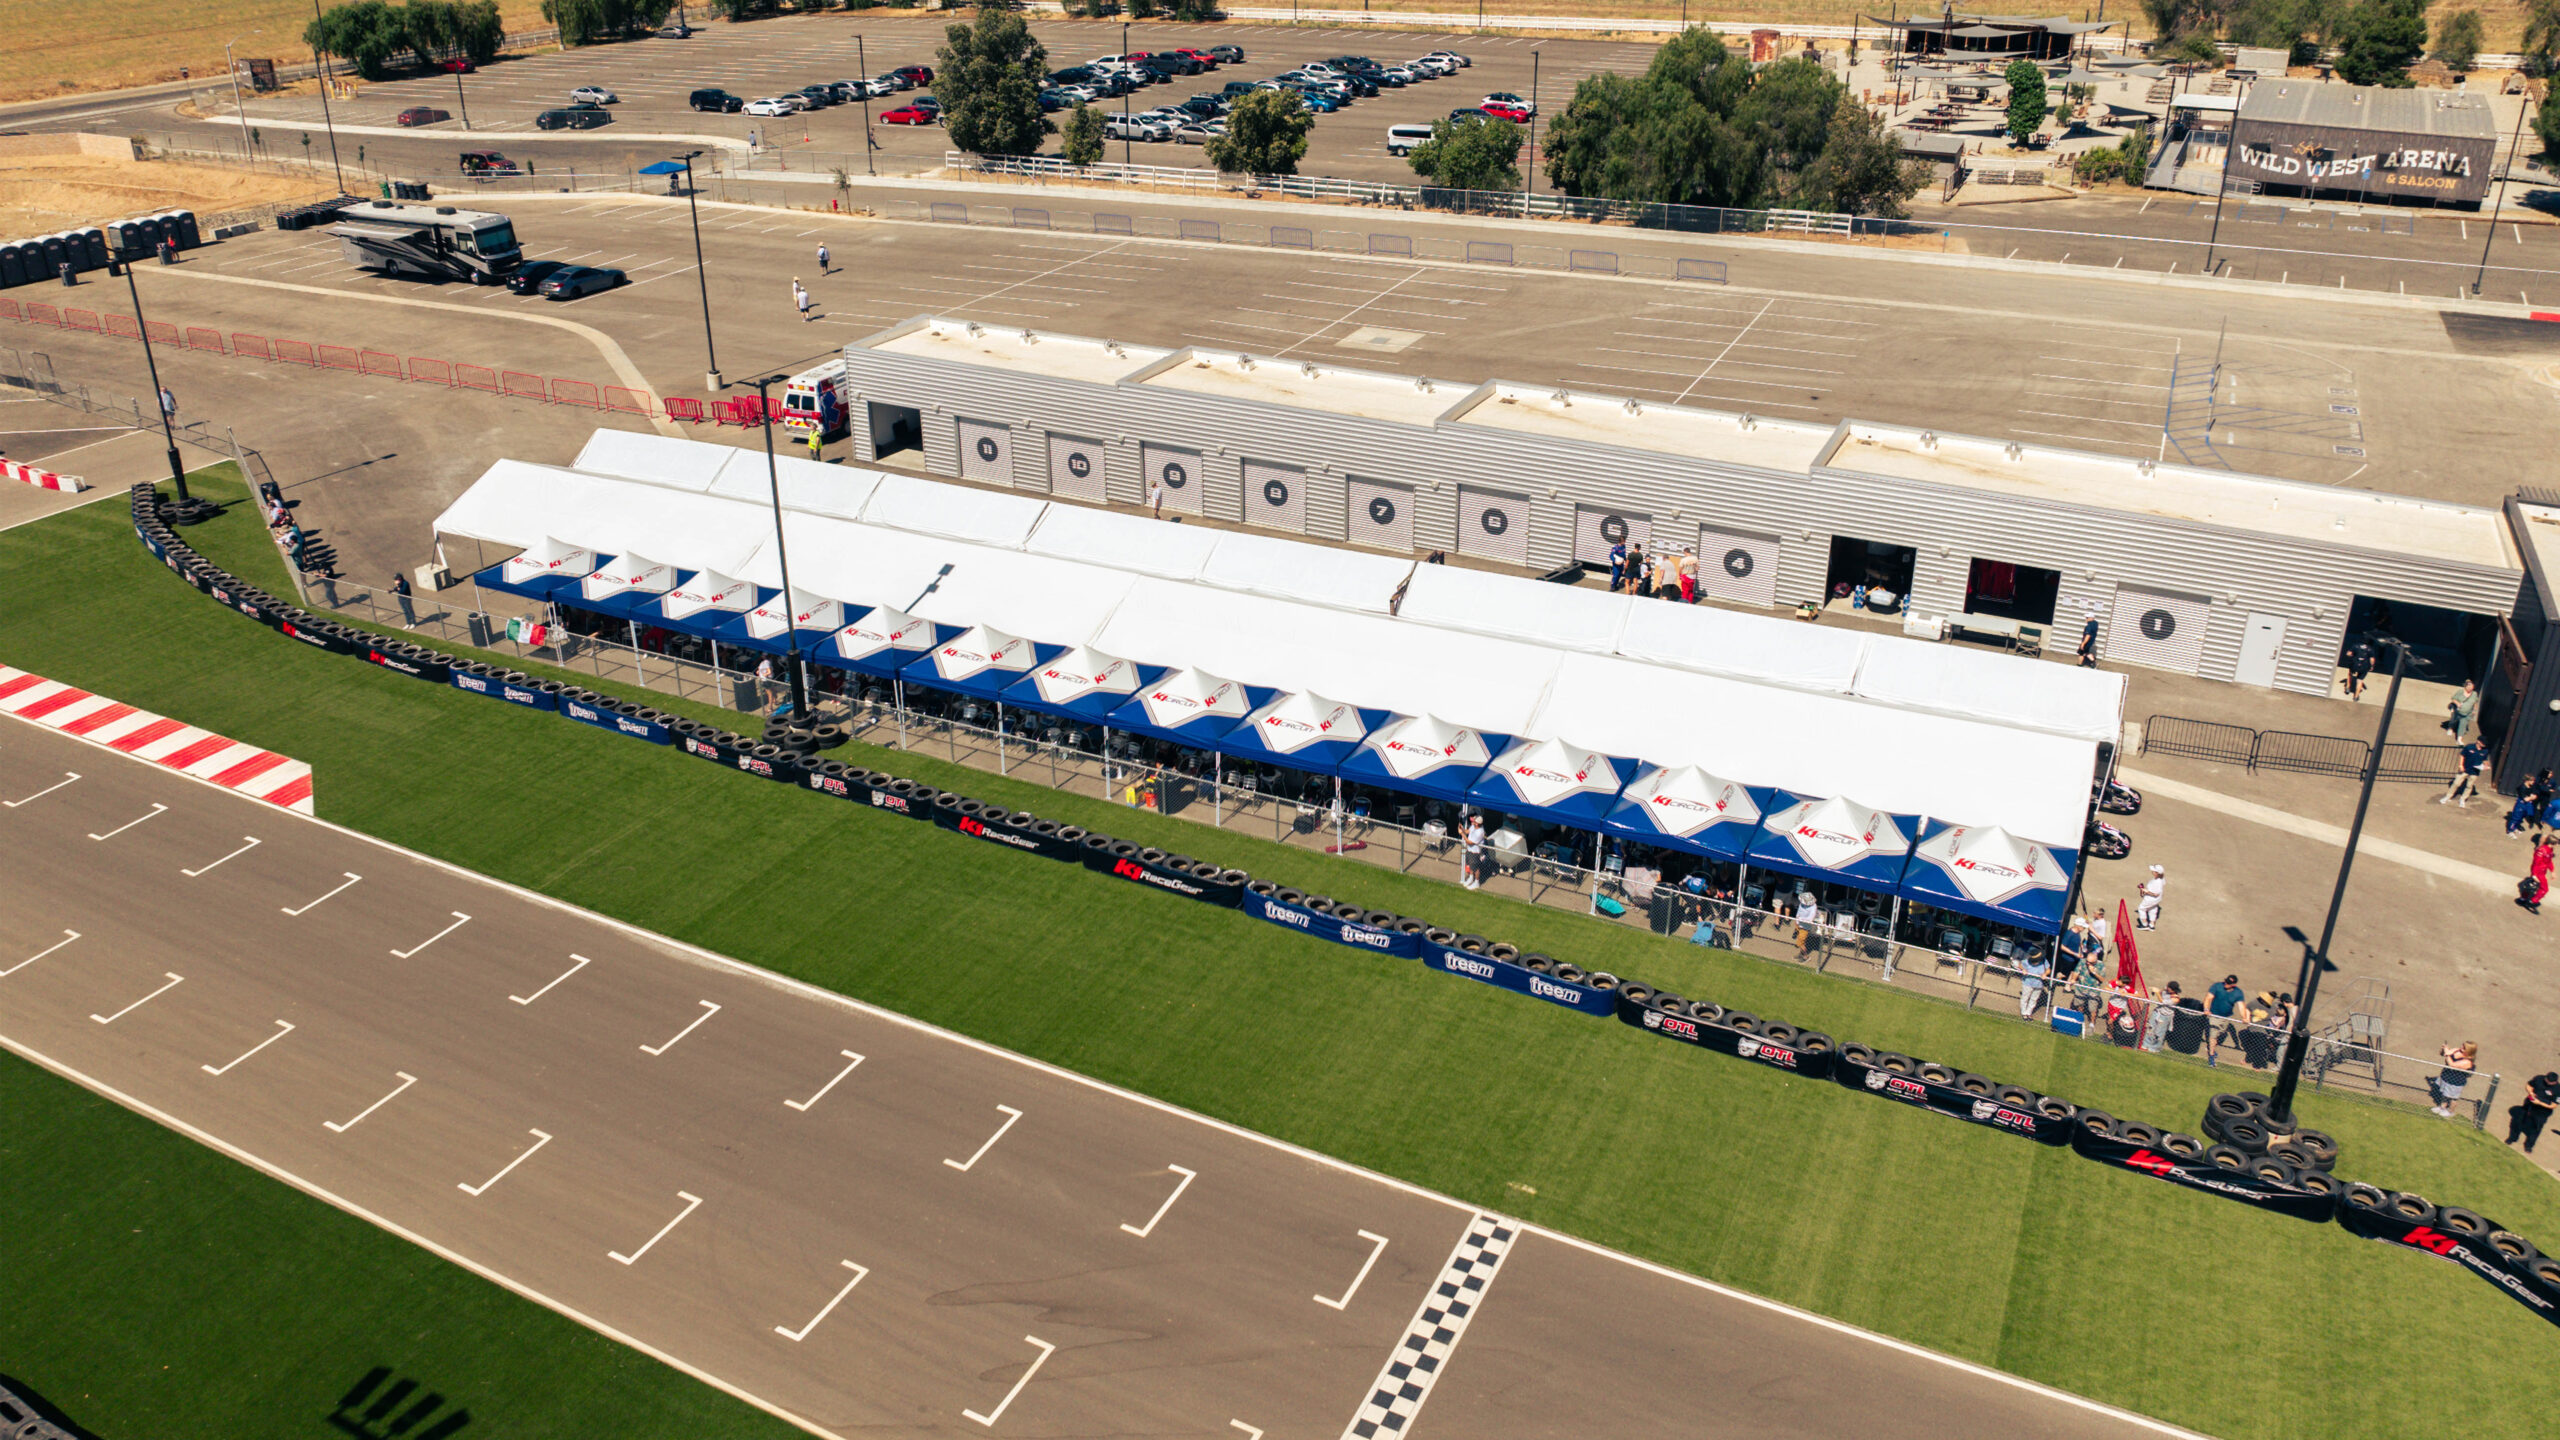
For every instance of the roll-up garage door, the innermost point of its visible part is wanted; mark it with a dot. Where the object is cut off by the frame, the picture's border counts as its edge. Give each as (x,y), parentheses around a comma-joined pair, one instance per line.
(1075,467)
(1381,514)
(1596,528)
(986,452)
(1736,567)
(2155,628)
(1275,496)
(1493,525)
(1178,471)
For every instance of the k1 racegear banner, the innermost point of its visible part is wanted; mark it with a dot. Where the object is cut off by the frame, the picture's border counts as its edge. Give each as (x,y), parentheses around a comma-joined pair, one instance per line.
(316,639)
(1019,830)
(1950,1101)
(435,672)
(1724,1039)
(2537,1292)
(1572,995)
(1376,939)
(615,721)
(2202,1174)
(1155,870)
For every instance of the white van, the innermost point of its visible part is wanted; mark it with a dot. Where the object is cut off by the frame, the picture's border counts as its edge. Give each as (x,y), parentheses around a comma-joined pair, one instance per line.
(1402,138)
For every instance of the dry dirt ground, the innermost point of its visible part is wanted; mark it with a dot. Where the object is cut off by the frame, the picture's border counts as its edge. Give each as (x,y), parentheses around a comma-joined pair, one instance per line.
(44,193)
(63,47)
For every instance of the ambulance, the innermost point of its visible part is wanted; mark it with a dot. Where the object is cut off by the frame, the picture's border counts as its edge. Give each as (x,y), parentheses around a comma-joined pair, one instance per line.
(814,400)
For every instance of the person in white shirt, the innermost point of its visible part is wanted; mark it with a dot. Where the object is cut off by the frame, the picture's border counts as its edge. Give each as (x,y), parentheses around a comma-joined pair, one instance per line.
(2146,911)
(1155,499)
(764,682)
(1474,877)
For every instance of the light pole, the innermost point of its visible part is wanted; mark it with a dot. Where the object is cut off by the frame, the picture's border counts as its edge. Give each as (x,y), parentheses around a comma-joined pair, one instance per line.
(239,107)
(711,358)
(2296,1045)
(2524,102)
(460,99)
(1127,156)
(2221,197)
(782,555)
(325,118)
(168,427)
(863,66)
(1531,192)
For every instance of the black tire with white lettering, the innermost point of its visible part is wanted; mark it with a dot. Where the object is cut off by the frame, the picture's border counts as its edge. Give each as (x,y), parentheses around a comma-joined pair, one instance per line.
(2513,1248)
(1933,1073)
(2016,1097)
(2321,1146)
(1742,1020)
(2183,1147)
(2097,1124)
(1894,1062)
(2469,1224)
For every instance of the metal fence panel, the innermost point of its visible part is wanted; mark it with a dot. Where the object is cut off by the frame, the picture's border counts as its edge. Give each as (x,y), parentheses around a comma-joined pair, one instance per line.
(1708,270)
(476,377)
(2199,739)
(297,352)
(2295,753)
(629,402)
(1030,219)
(80,320)
(39,313)
(575,392)
(375,362)
(2411,760)
(1598,262)
(949,214)
(1489,252)
(161,332)
(525,387)
(336,357)
(430,372)
(1113,225)
(1200,230)
(251,347)
(683,408)
(1292,237)
(1396,245)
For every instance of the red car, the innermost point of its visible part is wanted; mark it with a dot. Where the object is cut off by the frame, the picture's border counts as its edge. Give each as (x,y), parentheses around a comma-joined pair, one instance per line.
(457,67)
(421,115)
(1512,113)
(1207,60)
(915,74)
(908,115)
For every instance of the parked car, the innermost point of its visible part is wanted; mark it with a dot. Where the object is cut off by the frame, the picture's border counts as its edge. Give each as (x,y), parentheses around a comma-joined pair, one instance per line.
(909,115)
(717,100)
(1228,54)
(1323,102)
(1435,64)
(1455,59)
(770,106)
(573,118)
(421,115)
(1054,100)
(893,81)
(1389,78)
(916,74)
(1137,127)
(1505,97)
(457,67)
(1171,62)
(594,95)
(677,31)
(1240,87)
(1207,59)
(571,282)
(481,164)
(1402,75)
(529,277)
(1203,107)
(1402,138)
(1513,113)
(1468,112)
(1200,132)
(928,105)
(818,96)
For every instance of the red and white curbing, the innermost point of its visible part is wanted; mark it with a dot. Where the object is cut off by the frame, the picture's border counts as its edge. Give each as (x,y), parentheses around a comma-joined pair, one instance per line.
(258,774)
(41,479)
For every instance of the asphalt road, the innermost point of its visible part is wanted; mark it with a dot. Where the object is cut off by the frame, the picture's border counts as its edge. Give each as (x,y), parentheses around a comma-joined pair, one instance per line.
(856,1221)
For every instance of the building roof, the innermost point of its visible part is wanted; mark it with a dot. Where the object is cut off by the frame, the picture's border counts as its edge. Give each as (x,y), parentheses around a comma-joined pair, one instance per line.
(2326,514)
(2205,102)
(2451,114)
(1686,431)
(1307,386)
(1065,357)
(2535,517)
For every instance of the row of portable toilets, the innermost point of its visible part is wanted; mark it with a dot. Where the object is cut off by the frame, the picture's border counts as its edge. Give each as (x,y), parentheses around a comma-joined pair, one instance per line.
(28,262)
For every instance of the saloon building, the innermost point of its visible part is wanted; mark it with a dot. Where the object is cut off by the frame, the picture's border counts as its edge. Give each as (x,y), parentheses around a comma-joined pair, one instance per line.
(2363,143)
(2000,38)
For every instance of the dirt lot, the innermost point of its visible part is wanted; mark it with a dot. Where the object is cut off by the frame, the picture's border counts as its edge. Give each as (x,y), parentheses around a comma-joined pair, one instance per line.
(42,193)
(56,49)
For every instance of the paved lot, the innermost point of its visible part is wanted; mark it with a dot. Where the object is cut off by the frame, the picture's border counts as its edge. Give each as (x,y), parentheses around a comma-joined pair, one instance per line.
(864,1223)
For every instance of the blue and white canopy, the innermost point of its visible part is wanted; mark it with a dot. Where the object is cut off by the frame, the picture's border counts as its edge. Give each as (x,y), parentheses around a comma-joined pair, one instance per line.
(546,560)
(978,661)
(1552,780)
(705,598)
(1423,755)
(1985,871)
(1834,839)
(1686,808)
(625,574)
(882,642)
(1082,682)
(1301,730)
(1189,707)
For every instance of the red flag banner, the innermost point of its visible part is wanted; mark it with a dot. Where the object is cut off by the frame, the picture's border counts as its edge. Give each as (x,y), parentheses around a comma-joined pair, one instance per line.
(2128,959)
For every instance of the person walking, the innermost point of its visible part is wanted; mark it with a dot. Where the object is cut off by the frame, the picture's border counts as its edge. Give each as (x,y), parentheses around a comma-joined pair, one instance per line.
(2088,651)
(2460,709)
(1617,566)
(800,298)
(168,404)
(2146,910)
(2224,1000)
(2541,1096)
(400,592)
(2466,780)
(1155,498)
(822,259)
(2535,887)
(818,446)
(2459,1061)
(2359,664)
(1473,855)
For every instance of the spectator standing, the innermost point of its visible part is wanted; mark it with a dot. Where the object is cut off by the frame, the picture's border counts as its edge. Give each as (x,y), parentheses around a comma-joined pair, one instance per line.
(168,404)
(2164,1009)
(764,682)
(800,298)
(2459,1061)
(822,259)
(1635,568)
(2359,661)
(2146,910)
(2541,1096)
(400,592)
(2226,998)
(1474,853)
(1808,923)
(1688,577)
(1617,566)
(1155,498)
(2089,637)
(2031,977)
(2536,885)
(2460,709)
(2466,781)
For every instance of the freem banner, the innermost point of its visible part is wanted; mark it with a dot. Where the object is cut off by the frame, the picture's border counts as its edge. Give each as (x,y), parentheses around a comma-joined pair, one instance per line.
(614,720)
(1510,975)
(1285,909)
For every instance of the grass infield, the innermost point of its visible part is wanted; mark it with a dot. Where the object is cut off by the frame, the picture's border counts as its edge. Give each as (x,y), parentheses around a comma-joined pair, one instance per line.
(1948,1235)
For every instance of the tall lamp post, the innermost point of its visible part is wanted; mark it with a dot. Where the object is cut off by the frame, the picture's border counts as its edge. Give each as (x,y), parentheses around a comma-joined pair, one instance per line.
(2298,1044)
(1127,156)
(862,65)
(2524,103)
(460,99)
(1531,180)
(773,473)
(325,118)
(168,426)
(710,358)
(239,107)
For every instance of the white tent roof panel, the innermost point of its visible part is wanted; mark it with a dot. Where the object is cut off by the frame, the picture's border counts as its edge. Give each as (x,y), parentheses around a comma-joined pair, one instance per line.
(1747,647)
(1103,537)
(837,490)
(985,517)
(519,504)
(1568,617)
(658,459)
(2008,689)
(1295,570)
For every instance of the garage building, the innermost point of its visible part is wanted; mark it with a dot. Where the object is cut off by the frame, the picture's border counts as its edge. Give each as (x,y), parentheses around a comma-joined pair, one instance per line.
(2363,142)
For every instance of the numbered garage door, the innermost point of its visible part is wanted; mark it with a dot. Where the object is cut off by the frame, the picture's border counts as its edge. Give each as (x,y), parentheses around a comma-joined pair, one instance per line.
(1736,567)
(1381,514)
(986,452)
(1075,467)
(1493,525)
(2155,628)
(1275,496)
(1178,471)
(1596,528)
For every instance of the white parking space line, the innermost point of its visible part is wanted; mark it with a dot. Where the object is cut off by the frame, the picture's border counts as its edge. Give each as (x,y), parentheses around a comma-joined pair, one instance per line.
(824,1310)
(406,1080)
(1378,1248)
(154,811)
(253,844)
(283,1028)
(175,979)
(352,878)
(67,777)
(67,937)
(803,1105)
(708,1010)
(691,1203)
(578,963)
(459,920)
(540,1139)
(1046,1350)
(1010,1116)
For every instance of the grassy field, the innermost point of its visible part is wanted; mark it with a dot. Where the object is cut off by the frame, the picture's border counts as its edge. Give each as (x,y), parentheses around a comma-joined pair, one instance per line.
(1947,1235)
(58,48)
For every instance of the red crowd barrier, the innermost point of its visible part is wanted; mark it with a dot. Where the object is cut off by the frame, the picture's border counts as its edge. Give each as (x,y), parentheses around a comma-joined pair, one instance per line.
(573,392)
(39,313)
(251,347)
(629,402)
(161,332)
(374,362)
(338,357)
(123,328)
(199,338)
(430,372)
(294,352)
(526,387)
(80,320)
(680,408)
(476,377)
(9,311)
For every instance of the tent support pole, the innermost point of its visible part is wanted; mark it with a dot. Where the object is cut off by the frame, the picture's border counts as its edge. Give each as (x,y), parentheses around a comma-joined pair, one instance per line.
(1218,788)
(1000,740)
(1337,814)
(898,697)
(632,628)
(1892,936)
(1106,762)
(715,669)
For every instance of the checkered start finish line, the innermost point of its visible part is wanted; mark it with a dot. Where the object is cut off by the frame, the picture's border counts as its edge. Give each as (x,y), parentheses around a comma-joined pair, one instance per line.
(258,774)
(1406,1381)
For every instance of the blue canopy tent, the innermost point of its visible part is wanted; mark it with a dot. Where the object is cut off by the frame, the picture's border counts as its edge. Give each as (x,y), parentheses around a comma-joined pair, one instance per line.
(1834,839)
(1986,872)
(768,626)
(539,570)
(979,662)
(1188,707)
(1424,755)
(1552,781)
(1081,684)
(543,586)
(1685,808)
(1301,730)
(882,641)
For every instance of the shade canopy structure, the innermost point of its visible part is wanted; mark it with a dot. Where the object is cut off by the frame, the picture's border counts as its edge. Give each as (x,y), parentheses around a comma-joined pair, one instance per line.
(1685,808)
(1984,871)
(1189,706)
(1745,647)
(518,505)
(1952,680)
(547,560)
(1301,730)
(882,641)
(619,575)
(1424,755)
(1126,542)
(1552,780)
(707,597)
(1082,683)
(955,512)
(979,661)
(1568,617)
(771,620)
(1314,574)
(1834,839)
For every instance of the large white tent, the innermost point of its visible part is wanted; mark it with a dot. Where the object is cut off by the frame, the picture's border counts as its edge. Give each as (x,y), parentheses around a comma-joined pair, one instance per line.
(1565,616)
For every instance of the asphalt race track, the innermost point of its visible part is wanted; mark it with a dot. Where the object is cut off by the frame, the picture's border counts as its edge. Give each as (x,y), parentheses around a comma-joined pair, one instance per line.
(856,1221)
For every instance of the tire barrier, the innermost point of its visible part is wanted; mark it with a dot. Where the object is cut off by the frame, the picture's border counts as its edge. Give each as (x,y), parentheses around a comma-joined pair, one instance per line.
(2241,1153)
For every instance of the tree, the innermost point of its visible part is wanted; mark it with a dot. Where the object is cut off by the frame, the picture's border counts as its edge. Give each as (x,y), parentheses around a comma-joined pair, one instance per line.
(2546,123)
(735,10)
(2378,39)
(1470,155)
(2541,34)
(593,22)
(374,35)
(1084,136)
(368,34)
(2458,39)
(1266,135)
(988,75)
(1781,124)
(2026,98)
(1861,170)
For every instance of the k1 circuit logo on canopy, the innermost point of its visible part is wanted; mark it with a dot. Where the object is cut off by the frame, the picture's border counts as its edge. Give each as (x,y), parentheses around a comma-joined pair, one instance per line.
(1990,865)
(1835,834)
